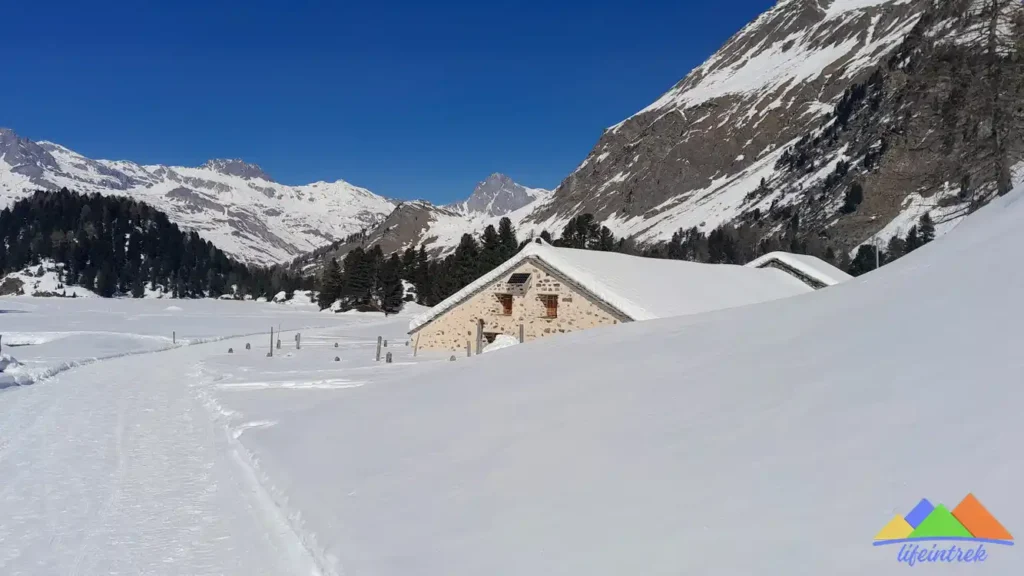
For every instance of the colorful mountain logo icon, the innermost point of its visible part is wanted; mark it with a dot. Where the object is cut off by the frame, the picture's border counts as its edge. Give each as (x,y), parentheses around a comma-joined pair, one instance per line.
(968,521)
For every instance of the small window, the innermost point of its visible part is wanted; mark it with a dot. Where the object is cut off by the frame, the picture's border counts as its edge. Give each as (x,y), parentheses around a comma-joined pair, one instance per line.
(519,278)
(550,305)
(506,304)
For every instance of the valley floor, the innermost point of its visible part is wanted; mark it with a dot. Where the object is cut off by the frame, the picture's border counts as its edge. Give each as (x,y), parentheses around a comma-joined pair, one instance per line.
(124,457)
(774,439)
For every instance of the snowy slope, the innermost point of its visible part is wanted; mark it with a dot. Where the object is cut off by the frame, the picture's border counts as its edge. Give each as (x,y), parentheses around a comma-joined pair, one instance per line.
(693,157)
(230,203)
(742,67)
(774,439)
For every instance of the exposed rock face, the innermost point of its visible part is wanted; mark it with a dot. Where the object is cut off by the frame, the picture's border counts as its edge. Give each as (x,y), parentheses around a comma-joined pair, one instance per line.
(808,100)
(233,204)
(238,168)
(691,157)
(24,156)
(499,195)
(439,228)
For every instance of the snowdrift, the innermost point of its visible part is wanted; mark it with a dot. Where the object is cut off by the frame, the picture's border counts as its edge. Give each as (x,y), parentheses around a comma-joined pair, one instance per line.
(774,439)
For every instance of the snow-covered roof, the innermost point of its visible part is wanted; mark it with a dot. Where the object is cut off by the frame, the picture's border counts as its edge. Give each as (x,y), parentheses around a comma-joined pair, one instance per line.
(809,266)
(642,288)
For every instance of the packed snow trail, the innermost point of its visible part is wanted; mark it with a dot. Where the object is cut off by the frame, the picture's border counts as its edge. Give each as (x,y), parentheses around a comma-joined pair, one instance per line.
(118,468)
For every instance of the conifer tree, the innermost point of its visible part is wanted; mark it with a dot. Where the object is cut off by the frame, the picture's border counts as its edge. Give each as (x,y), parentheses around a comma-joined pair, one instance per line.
(358,278)
(926,229)
(490,249)
(391,295)
(465,266)
(854,196)
(605,240)
(138,287)
(913,241)
(409,263)
(896,248)
(863,262)
(507,237)
(330,284)
(422,279)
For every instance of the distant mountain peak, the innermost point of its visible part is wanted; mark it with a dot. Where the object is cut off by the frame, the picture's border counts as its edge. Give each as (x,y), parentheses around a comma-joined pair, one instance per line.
(23,155)
(247,215)
(236,167)
(498,195)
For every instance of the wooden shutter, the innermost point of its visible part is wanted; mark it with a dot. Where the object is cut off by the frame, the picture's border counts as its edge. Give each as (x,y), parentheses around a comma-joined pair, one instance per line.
(506,304)
(551,305)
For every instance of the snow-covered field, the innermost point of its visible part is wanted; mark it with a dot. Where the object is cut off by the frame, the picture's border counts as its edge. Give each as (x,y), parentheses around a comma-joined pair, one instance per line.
(773,439)
(49,335)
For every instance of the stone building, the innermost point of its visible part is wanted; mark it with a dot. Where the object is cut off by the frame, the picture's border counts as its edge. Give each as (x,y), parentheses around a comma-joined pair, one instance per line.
(544,290)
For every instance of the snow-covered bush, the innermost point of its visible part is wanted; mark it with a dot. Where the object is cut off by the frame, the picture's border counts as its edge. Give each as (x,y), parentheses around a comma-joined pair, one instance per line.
(501,341)
(7,361)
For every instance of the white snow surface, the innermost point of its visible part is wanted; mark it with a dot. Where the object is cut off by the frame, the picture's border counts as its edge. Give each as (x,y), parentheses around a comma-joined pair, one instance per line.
(770,439)
(764,69)
(813,267)
(722,444)
(130,463)
(643,288)
(47,283)
(7,361)
(501,341)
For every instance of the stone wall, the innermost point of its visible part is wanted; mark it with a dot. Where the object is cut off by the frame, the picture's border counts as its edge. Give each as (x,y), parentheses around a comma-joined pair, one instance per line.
(454,328)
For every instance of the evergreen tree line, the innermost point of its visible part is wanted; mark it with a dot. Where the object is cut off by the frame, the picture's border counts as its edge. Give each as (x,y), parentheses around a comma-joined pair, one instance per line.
(365,281)
(117,246)
(436,280)
(920,234)
(369,281)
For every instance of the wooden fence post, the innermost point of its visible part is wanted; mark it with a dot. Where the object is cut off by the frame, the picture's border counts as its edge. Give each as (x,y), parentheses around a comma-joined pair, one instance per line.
(521,332)
(480,336)
(271,353)
(379,340)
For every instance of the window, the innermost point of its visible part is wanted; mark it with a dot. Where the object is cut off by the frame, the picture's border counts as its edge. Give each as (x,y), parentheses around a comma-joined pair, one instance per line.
(506,304)
(518,279)
(550,305)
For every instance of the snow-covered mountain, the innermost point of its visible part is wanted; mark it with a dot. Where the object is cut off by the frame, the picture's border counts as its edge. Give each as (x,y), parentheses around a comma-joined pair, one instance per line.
(439,228)
(499,195)
(692,157)
(810,100)
(231,203)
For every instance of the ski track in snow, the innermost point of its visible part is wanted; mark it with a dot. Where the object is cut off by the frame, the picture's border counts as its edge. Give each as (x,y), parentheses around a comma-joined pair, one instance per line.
(101,476)
(58,368)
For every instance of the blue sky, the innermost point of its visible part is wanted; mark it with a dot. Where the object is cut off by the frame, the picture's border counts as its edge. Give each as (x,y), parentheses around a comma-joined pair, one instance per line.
(409,99)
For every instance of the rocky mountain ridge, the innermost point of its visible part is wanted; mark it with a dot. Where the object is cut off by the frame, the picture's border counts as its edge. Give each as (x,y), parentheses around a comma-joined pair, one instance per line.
(234,204)
(498,195)
(838,121)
